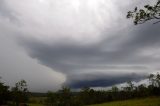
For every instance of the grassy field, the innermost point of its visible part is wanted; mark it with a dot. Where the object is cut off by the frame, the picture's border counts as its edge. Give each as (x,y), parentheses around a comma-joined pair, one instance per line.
(152,101)
(36,101)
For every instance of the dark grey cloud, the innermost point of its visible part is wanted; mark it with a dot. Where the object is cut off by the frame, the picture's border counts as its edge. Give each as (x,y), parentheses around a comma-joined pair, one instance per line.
(71,58)
(90,55)
(101,80)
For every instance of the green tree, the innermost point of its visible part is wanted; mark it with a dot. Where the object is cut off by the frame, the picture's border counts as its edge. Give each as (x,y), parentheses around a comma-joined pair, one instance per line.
(20,92)
(149,12)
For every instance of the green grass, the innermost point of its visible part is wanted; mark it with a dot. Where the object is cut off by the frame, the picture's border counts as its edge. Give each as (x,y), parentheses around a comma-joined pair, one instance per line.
(36,101)
(152,101)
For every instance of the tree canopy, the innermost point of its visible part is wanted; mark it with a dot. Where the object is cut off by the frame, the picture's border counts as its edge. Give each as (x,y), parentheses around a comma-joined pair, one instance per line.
(149,12)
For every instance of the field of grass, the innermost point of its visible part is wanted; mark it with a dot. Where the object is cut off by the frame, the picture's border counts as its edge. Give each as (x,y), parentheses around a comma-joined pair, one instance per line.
(152,101)
(36,101)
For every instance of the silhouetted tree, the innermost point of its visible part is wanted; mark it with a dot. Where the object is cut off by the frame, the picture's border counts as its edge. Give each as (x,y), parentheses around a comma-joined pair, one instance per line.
(84,95)
(115,89)
(154,87)
(151,79)
(129,87)
(4,93)
(158,79)
(20,92)
(65,96)
(149,12)
(142,91)
(52,99)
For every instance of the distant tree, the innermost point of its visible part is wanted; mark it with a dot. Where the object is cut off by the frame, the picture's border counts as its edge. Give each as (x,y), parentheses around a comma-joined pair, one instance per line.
(149,12)
(52,99)
(88,96)
(65,96)
(115,92)
(154,87)
(4,93)
(154,80)
(151,78)
(129,87)
(142,90)
(158,79)
(84,95)
(115,89)
(20,92)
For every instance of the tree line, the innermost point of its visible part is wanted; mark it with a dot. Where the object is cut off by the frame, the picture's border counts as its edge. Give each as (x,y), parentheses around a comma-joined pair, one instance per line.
(19,94)
(87,96)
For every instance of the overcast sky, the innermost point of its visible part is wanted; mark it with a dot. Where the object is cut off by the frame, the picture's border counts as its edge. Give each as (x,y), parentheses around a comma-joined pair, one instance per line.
(77,43)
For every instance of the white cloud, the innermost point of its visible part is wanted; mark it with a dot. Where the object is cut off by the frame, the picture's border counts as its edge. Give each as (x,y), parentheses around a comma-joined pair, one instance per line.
(78,20)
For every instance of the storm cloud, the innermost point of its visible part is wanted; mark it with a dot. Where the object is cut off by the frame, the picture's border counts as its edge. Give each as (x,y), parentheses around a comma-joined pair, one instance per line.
(75,60)
(91,43)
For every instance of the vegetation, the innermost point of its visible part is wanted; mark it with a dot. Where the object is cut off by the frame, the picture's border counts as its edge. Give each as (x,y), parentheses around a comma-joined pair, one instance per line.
(154,101)
(19,95)
(16,96)
(37,100)
(4,93)
(149,12)
(89,96)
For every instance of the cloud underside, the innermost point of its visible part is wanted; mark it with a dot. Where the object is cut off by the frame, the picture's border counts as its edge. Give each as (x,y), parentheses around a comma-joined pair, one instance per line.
(130,59)
(101,80)
(89,47)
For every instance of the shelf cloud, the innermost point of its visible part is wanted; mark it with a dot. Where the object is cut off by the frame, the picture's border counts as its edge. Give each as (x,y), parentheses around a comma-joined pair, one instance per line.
(83,42)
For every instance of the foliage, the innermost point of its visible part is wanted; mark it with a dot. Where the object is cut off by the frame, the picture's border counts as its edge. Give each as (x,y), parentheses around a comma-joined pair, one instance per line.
(20,92)
(4,93)
(63,97)
(52,99)
(86,96)
(149,12)
(37,100)
(115,89)
(129,87)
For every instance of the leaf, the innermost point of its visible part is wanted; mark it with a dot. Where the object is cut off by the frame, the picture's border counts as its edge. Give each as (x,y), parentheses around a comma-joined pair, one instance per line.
(135,9)
(146,6)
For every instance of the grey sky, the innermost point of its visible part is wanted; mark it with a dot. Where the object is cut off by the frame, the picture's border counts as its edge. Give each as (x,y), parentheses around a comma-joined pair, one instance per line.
(75,42)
